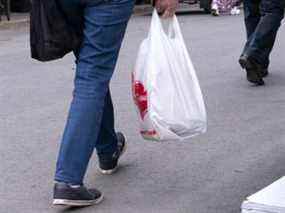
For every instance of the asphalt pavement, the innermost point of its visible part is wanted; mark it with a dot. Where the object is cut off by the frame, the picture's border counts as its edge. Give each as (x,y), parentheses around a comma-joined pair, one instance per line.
(243,150)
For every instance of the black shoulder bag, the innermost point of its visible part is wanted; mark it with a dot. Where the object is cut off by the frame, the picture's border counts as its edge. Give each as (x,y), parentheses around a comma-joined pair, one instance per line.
(51,37)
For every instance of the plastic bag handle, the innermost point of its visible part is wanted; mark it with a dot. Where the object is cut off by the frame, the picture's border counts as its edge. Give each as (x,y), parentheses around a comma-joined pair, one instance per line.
(173,30)
(156,25)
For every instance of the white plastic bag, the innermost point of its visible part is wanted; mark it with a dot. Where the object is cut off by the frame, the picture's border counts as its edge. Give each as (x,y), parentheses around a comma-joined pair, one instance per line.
(165,87)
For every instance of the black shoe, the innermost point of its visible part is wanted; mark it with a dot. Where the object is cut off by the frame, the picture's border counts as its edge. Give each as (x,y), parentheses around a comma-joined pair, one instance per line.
(253,69)
(68,195)
(264,72)
(215,12)
(110,165)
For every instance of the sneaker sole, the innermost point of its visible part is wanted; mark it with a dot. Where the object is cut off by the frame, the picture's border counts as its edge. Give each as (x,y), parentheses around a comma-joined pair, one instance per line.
(77,203)
(252,76)
(108,172)
(112,171)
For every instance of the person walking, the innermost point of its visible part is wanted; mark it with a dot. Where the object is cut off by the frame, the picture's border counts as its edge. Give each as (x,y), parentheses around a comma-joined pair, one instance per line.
(225,7)
(262,20)
(90,123)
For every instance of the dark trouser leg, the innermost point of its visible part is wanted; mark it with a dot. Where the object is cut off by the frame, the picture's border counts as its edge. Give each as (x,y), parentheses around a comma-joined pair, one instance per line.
(261,41)
(251,15)
(251,19)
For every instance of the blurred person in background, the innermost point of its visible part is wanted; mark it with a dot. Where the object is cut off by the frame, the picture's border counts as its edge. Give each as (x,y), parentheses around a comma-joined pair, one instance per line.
(225,7)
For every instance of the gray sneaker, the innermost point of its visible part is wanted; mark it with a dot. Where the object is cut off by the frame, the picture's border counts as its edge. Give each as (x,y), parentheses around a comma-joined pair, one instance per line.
(110,165)
(67,195)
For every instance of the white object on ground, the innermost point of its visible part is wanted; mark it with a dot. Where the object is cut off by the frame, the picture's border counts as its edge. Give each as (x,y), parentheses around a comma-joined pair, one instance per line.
(269,200)
(235,11)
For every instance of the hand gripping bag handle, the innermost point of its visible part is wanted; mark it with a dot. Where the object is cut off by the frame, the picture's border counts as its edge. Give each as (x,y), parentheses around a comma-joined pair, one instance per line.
(173,30)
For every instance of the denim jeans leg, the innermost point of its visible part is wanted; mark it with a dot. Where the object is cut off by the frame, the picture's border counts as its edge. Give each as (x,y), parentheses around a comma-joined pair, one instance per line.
(104,28)
(106,143)
(251,19)
(251,16)
(262,40)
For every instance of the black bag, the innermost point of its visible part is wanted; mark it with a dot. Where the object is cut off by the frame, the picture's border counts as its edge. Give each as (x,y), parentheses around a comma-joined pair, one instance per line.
(21,6)
(51,37)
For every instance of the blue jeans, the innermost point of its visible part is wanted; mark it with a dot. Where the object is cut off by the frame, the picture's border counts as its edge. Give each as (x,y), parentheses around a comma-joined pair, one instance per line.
(90,123)
(262,20)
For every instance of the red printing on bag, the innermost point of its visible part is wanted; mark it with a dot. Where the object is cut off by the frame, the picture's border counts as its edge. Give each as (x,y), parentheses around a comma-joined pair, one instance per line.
(140,96)
(149,133)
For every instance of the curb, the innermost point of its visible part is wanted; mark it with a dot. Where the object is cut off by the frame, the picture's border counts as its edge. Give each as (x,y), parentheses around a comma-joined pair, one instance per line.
(24,22)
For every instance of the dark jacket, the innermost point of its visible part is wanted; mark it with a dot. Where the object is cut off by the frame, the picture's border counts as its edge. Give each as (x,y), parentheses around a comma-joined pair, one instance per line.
(50,36)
